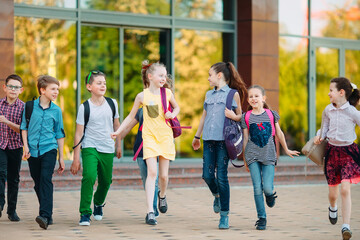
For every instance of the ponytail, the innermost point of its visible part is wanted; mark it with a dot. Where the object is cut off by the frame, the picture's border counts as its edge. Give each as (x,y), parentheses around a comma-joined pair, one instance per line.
(354,97)
(232,77)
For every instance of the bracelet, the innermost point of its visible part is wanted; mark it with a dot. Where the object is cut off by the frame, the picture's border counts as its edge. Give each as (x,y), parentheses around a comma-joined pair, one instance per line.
(196,137)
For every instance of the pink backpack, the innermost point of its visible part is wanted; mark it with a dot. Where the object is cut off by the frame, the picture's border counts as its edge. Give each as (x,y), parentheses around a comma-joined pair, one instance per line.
(269,113)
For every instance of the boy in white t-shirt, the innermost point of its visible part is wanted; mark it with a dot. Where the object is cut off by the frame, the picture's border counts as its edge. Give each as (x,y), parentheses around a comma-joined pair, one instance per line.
(97,147)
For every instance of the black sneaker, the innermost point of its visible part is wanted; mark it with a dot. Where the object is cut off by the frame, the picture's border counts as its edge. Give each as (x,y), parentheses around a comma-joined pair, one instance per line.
(84,220)
(346,233)
(43,222)
(1,210)
(51,222)
(261,224)
(162,204)
(13,217)
(150,219)
(270,200)
(333,221)
(98,212)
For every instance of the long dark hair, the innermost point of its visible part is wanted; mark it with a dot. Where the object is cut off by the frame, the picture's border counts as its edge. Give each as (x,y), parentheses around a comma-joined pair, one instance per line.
(352,95)
(232,77)
(262,92)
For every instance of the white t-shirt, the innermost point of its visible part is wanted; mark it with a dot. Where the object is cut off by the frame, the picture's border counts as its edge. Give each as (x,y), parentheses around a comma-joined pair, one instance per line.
(99,127)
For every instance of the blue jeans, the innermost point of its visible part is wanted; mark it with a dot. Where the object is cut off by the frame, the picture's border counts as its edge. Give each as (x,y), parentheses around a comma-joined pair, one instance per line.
(262,177)
(216,159)
(143,173)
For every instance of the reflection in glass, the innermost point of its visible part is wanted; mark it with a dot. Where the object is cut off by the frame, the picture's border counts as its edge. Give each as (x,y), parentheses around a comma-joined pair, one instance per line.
(45,46)
(138,46)
(100,51)
(293,97)
(49,3)
(156,7)
(195,52)
(352,72)
(335,18)
(200,9)
(293,17)
(327,68)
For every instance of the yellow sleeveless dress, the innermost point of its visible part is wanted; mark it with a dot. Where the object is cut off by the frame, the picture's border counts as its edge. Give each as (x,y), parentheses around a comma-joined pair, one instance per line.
(157,136)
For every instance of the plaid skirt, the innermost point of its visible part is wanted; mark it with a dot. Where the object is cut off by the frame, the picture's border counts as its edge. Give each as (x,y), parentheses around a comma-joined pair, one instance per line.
(342,164)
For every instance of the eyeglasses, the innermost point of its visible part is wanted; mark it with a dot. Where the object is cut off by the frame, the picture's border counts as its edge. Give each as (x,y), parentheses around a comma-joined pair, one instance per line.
(11,87)
(92,72)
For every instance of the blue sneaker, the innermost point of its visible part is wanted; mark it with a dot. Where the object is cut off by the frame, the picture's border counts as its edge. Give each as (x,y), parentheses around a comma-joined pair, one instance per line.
(217,205)
(224,220)
(84,220)
(98,212)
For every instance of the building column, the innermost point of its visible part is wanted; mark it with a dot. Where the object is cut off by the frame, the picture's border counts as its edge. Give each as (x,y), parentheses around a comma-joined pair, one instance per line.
(258,46)
(6,41)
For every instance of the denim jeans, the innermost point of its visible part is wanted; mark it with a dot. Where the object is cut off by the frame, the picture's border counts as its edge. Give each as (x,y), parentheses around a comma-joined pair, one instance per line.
(41,171)
(216,159)
(143,173)
(10,163)
(262,177)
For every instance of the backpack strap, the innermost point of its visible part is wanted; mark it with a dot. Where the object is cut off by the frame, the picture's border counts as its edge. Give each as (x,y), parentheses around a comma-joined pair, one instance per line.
(229,98)
(86,120)
(112,106)
(163,99)
(29,107)
(247,117)
(138,151)
(272,120)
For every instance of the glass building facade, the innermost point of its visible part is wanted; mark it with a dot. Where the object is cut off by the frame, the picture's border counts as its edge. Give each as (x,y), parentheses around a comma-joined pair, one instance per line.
(292,48)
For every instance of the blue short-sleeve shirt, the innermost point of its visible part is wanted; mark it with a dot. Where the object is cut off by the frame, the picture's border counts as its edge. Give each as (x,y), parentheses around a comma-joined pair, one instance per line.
(214,106)
(45,127)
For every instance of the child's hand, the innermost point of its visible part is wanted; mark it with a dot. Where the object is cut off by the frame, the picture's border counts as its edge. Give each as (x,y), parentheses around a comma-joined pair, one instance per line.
(118,152)
(114,135)
(292,153)
(230,114)
(169,115)
(75,167)
(3,119)
(318,140)
(61,166)
(196,144)
(26,153)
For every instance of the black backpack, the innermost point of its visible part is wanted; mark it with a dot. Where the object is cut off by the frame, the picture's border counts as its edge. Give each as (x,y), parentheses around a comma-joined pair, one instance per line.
(87,115)
(29,107)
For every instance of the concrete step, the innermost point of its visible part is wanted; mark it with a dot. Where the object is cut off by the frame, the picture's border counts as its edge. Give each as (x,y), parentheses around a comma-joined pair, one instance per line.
(182,174)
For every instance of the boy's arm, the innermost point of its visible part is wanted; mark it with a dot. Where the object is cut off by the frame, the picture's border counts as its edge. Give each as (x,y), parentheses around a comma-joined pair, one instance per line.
(76,165)
(11,125)
(60,143)
(26,153)
(118,139)
(281,137)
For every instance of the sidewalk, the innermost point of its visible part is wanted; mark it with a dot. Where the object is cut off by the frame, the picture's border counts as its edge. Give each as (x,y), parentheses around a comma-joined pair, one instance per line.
(300,213)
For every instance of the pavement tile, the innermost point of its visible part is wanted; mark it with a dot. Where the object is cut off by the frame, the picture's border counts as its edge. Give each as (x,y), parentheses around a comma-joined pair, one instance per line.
(300,213)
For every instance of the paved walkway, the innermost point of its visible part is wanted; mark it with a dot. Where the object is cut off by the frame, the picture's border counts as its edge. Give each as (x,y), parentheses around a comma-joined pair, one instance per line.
(300,213)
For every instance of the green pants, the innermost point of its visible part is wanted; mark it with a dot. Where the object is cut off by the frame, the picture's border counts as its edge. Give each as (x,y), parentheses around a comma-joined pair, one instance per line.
(95,164)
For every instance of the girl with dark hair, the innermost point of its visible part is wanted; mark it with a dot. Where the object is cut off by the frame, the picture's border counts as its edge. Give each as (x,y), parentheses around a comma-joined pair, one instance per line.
(342,155)
(222,76)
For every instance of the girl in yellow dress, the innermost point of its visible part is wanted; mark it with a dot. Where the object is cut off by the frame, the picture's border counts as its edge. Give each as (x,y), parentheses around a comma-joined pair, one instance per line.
(158,140)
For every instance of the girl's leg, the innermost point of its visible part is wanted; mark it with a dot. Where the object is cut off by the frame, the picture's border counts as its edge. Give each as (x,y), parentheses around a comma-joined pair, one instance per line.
(222,160)
(163,175)
(333,195)
(209,164)
(256,172)
(150,183)
(268,172)
(346,201)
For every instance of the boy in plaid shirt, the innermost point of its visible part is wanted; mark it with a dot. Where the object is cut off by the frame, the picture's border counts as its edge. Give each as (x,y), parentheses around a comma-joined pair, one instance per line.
(11,145)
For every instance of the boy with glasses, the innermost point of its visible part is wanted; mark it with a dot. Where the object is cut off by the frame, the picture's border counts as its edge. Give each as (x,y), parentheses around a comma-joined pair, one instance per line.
(11,149)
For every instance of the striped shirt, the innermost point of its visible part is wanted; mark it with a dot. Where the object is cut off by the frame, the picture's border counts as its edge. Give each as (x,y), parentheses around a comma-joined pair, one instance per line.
(8,137)
(261,146)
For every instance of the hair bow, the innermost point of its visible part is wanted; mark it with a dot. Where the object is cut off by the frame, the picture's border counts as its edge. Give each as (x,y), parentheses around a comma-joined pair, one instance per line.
(353,85)
(146,66)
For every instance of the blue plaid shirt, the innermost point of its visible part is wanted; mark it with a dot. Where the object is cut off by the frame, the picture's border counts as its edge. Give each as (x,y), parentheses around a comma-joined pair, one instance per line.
(45,127)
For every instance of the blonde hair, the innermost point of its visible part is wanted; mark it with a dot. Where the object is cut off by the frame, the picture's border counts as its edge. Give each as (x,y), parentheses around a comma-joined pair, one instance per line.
(150,68)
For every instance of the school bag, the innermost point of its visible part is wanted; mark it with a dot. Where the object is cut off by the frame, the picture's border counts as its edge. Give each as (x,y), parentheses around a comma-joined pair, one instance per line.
(173,123)
(87,115)
(232,133)
(29,107)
